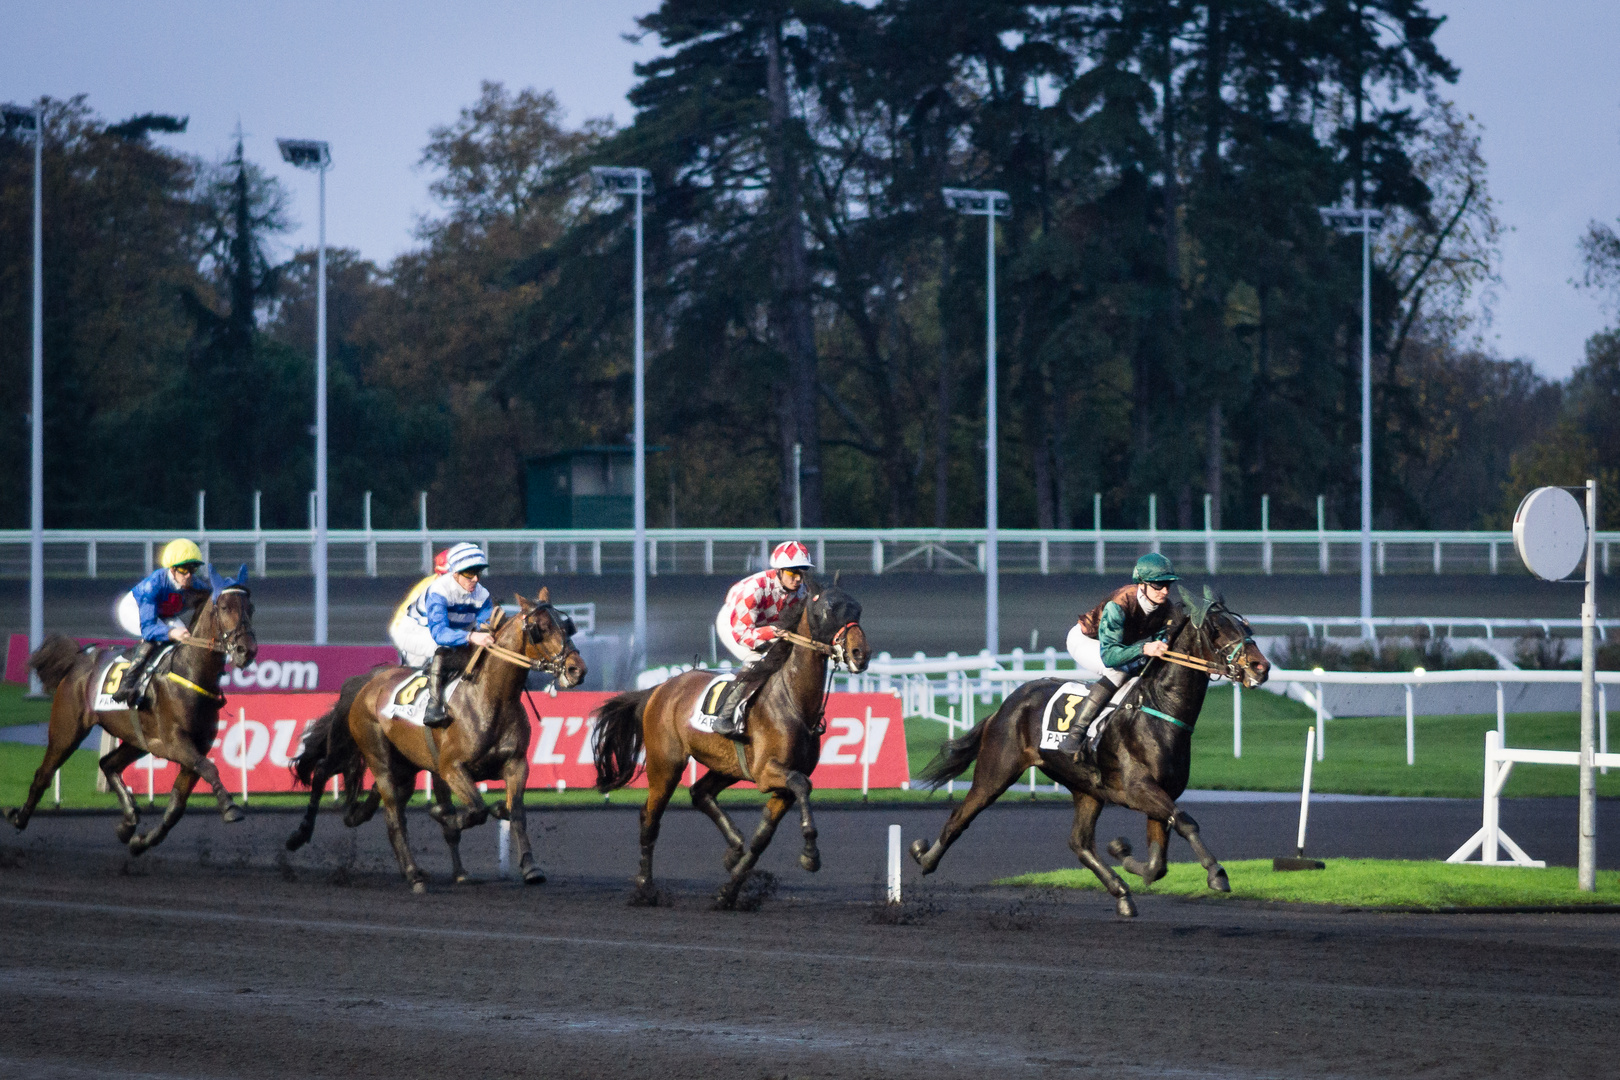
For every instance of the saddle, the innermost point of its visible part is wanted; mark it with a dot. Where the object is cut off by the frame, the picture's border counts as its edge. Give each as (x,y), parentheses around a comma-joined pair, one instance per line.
(707,710)
(109,677)
(407,699)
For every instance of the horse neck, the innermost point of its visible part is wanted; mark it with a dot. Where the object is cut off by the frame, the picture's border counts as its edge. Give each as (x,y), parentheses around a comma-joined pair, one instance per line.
(1177,690)
(805,672)
(201,666)
(499,681)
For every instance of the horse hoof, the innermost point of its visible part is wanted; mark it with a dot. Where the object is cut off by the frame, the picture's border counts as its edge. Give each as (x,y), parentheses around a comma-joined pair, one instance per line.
(1125,907)
(733,857)
(139,843)
(300,837)
(15,817)
(533,876)
(919,852)
(231,814)
(125,830)
(810,860)
(499,812)
(1119,847)
(475,818)
(1217,880)
(419,888)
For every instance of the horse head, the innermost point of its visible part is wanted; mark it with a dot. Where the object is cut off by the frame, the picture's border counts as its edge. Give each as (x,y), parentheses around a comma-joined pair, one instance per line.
(232,607)
(548,638)
(835,620)
(1225,639)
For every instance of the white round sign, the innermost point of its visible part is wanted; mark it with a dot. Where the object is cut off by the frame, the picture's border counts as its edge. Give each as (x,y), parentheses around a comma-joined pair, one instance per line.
(1549,530)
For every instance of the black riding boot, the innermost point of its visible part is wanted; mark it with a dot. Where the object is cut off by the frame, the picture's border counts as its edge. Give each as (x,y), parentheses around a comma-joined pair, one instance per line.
(1075,743)
(129,689)
(435,715)
(725,721)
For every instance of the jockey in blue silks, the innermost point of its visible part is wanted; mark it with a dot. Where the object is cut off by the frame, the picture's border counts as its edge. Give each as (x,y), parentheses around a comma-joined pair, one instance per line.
(442,622)
(161,601)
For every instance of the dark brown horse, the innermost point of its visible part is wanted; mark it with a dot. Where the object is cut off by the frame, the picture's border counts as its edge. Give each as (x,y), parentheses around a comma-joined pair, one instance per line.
(1144,756)
(782,744)
(177,722)
(487,739)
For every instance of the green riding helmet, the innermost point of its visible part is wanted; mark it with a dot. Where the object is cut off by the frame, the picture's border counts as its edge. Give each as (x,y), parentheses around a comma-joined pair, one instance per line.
(1153,569)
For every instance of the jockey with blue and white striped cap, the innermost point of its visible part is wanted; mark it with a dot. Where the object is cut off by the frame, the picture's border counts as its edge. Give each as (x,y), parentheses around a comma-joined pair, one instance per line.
(442,621)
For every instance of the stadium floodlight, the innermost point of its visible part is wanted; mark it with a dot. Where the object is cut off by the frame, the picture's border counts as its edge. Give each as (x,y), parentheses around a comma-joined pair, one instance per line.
(316,156)
(991,204)
(24,122)
(638,183)
(1361,220)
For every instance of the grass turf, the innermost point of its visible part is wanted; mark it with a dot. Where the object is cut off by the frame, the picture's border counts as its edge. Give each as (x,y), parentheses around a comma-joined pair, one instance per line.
(1366,883)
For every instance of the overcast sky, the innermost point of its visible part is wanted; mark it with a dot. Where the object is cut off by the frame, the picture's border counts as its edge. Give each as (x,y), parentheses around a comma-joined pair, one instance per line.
(373,77)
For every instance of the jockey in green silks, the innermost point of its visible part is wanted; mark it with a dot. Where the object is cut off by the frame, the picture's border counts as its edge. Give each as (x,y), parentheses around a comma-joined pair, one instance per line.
(1115,640)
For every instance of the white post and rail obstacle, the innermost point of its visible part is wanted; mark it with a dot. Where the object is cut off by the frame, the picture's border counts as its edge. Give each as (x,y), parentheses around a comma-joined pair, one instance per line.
(1499,762)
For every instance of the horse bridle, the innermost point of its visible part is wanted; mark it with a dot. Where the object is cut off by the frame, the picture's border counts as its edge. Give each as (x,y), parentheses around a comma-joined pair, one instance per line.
(1226,665)
(551,665)
(838,650)
(226,641)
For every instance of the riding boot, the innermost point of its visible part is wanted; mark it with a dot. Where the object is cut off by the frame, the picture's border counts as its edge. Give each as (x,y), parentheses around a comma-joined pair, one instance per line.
(128,692)
(725,720)
(435,715)
(1075,743)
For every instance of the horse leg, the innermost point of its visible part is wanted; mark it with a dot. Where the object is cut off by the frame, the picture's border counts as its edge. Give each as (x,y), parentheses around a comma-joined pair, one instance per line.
(774,809)
(516,775)
(306,828)
(1154,868)
(703,797)
(1082,841)
(994,772)
(62,738)
(112,767)
(172,813)
(388,788)
(799,785)
(355,812)
(477,810)
(1183,823)
(185,755)
(443,812)
(661,784)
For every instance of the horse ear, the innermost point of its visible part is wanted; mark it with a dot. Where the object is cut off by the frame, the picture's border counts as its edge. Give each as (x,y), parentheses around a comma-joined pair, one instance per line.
(216,584)
(1209,593)
(543,596)
(522,603)
(835,577)
(241,576)
(1186,597)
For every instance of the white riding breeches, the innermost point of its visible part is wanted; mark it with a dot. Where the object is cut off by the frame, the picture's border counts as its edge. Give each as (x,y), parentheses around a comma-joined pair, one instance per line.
(413,640)
(722,629)
(1087,653)
(128,614)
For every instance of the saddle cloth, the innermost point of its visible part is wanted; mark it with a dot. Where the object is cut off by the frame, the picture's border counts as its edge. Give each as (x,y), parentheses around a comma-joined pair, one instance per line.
(407,699)
(109,676)
(1064,705)
(708,704)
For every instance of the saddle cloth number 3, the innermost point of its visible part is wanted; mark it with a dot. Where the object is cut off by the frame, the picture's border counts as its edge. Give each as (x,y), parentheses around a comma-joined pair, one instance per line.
(1061,710)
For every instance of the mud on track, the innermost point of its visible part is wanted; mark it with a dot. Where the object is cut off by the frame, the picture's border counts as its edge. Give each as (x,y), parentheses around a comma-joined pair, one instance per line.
(211,957)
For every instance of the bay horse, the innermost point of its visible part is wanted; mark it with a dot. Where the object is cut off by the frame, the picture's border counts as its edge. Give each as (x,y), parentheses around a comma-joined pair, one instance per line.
(177,721)
(1144,756)
(487,739)
(782,736)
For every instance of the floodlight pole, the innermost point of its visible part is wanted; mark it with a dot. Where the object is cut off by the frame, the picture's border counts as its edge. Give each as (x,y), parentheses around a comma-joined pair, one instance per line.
(36,468)
(1363,221)
(1586,851)
(637,182)
(316,155)
(992,204)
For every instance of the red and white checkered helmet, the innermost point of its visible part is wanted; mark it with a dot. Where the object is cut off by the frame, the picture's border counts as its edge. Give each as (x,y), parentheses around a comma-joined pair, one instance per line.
(791,555)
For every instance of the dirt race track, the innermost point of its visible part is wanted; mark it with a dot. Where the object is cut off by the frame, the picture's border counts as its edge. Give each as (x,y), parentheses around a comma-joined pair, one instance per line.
(215,956)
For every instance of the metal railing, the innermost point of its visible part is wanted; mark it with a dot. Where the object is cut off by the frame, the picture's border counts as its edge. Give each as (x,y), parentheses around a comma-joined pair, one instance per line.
(370,552)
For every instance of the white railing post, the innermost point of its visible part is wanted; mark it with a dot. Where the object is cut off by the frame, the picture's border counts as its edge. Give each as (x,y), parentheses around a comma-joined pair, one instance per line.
(1321,540)
(821,552)
(1237,720)
(202,524)
(540,555)
(90,558)
(1153,521)
(708,556)
(877,557)
(1437,556)
(1501,713)
(259,558)
(1321,726)
(427,542)
(1411,746)
(652,555)
(1265,533)
(1493,556)
(371,541)
(1210,557)
(1044,567)
(1098,551)
(1380,558)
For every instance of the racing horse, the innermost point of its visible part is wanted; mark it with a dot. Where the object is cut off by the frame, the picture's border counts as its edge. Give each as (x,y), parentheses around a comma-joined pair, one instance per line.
(1143,758)
(782,746)
(177,721)
(487,740)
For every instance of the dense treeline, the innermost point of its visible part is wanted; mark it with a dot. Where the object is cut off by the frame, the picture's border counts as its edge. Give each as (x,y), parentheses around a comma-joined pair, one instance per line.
(1174,317)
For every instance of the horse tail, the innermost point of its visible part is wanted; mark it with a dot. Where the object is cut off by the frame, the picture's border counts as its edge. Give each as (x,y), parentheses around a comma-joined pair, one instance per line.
(329,746)
(953,758)
(53,660)
(619,739)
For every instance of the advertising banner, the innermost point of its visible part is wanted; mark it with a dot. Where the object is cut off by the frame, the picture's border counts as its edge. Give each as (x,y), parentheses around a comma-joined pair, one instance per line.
(276,669)
(261,733)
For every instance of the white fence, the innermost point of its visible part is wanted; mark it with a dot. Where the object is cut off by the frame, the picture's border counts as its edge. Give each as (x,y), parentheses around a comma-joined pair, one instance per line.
(122,552)
(1499,762)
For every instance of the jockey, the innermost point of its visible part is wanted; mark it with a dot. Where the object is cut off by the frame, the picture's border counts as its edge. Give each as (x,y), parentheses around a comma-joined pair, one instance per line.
(747,623)
(160,601)
(442,620)
(1115,640)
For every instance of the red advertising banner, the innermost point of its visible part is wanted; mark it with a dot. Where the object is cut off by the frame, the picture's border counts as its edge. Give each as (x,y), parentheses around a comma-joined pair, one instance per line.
(864,745)
(276,669)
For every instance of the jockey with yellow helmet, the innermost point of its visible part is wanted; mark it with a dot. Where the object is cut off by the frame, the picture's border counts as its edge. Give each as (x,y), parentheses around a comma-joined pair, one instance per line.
(1116,639)
(441,621)
(156,607)
(747,622)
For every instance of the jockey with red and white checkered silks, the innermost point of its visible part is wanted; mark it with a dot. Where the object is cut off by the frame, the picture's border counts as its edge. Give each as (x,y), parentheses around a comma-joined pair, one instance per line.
(748,622)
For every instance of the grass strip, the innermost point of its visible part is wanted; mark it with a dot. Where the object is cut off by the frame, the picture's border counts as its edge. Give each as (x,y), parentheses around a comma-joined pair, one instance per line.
(1374,883)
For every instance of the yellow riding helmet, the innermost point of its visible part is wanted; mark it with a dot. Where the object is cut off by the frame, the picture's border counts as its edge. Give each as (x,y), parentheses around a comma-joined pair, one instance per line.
(180,552)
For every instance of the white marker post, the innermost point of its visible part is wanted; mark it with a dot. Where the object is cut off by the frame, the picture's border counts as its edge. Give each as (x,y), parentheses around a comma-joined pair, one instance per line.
(1298,861)
(894,864)
(243,739)
(504,851)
